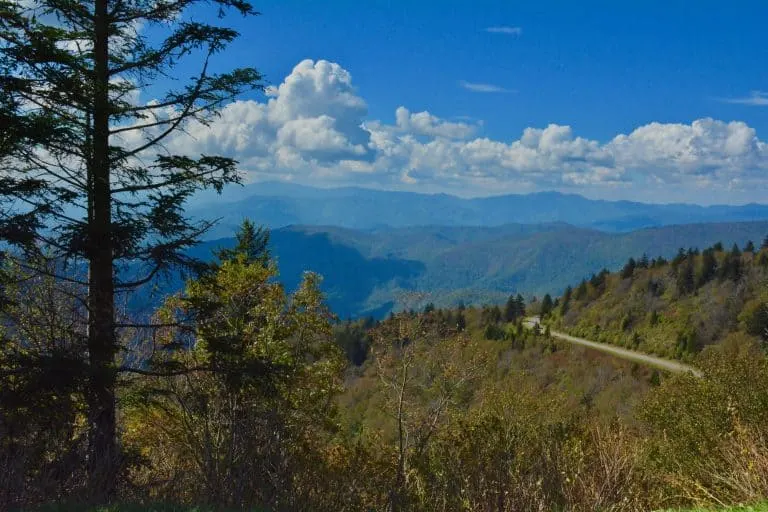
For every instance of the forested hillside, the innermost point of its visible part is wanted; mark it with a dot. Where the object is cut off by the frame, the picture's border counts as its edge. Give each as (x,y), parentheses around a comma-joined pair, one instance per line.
(246,396)
(370,272)
(675,307)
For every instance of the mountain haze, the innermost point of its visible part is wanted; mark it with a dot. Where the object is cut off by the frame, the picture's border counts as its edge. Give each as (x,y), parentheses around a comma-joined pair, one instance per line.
(283,204)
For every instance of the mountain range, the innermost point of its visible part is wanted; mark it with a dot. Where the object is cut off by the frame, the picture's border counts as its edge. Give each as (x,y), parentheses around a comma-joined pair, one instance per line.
(371,272)
(278,204)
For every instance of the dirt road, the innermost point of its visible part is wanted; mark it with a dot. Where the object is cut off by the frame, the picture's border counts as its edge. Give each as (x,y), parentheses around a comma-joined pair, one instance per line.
(631,355)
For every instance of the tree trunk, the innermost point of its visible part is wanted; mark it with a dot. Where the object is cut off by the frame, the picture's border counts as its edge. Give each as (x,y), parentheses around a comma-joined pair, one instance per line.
(102,446)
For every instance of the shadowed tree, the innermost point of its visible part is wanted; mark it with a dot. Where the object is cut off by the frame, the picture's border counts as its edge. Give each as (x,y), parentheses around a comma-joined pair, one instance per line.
(546,305)
(629,268)
(85,175)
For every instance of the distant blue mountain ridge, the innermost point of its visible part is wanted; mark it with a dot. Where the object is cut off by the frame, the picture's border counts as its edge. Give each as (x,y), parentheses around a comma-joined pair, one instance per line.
(279,204)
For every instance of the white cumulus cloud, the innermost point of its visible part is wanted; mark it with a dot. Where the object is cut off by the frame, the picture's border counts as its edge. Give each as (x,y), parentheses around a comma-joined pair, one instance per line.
(424,123)
(755,99)
(313,127)
(479,87)
(510,31)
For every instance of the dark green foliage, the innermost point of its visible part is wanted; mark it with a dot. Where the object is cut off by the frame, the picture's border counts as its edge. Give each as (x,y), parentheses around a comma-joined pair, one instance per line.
(354,340)
(707,269)
(252,243)
(546,305)
(749,246)
(490,315)
(493,332)
(565,303)
(514,308)
(628,269)
(731,267)
(429,308)
(679,258)
(461,321)
(655,287)
(581,291)
(687,341)
(685,278)
(82,158)
(754,318)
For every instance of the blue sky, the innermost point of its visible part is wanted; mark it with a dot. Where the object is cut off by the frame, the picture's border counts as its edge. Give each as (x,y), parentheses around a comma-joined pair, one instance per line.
(601,67)
(685,74)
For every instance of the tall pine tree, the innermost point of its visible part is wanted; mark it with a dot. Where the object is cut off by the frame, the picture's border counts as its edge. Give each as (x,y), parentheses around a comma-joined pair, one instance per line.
(85,177)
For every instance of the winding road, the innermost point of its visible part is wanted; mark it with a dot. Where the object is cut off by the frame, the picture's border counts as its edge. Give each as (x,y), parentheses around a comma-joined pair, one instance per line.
(630,355)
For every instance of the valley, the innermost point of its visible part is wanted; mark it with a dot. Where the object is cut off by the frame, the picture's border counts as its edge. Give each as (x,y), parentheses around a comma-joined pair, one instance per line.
(373,272)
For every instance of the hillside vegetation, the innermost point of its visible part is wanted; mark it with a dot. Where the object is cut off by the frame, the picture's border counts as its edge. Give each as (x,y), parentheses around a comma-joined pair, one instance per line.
(248,397)
(673,308)
(370,272)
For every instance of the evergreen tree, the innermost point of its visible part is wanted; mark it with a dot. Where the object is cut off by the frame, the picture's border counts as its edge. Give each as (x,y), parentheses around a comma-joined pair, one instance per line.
(520,301)
(685,278)
(581,291)
(510,309)
(461,321)
(764,245)
(598,280)
(643,263)
(79,151)
(731,266)
(565,304)
(708,267)
(546,305)
(718,247)
(749,247)
(252,243)
(679,258)
(629,269)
